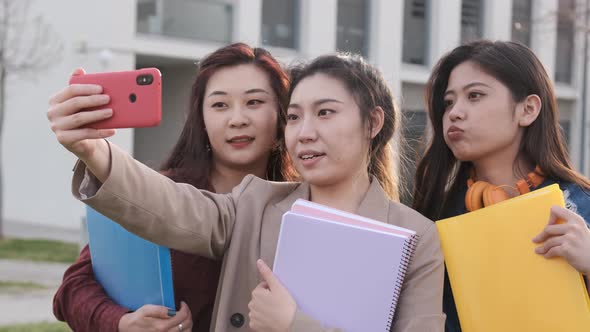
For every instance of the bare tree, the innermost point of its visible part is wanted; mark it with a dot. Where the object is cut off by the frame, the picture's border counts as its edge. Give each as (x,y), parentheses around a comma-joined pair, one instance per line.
(27,45)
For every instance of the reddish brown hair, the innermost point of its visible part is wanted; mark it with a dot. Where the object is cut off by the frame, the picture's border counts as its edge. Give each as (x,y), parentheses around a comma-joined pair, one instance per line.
(190,161)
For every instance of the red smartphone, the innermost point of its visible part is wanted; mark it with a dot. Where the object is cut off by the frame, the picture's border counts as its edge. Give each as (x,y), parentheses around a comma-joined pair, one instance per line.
(136,97)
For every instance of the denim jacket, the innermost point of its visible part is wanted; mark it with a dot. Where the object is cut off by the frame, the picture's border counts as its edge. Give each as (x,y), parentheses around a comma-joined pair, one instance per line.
(577,199)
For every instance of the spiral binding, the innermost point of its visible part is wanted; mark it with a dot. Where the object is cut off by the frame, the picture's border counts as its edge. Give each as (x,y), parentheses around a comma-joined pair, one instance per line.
(407,254)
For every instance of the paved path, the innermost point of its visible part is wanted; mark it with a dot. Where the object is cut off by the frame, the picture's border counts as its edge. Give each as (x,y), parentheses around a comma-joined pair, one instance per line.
(35,231)
(28,305)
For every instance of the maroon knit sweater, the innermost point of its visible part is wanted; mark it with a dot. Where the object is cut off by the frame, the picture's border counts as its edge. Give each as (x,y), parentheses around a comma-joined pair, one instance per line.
(83,304)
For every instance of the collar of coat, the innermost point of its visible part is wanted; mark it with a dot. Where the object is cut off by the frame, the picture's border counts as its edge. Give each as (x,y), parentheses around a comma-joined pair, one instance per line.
(375,204)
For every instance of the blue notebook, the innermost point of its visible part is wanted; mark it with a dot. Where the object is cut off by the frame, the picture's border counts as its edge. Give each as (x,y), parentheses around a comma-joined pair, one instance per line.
(133,271)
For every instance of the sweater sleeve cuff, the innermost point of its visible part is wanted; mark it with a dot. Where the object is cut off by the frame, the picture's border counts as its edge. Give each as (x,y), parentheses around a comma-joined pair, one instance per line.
(115,313)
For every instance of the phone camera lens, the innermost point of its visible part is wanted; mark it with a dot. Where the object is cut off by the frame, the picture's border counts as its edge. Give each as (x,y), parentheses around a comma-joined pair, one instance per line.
(145,79)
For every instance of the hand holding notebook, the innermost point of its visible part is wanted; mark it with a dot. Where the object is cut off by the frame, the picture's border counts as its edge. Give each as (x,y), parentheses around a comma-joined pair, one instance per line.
(132,270)
(270,299)
(342,269)
(566,235)
(498,282)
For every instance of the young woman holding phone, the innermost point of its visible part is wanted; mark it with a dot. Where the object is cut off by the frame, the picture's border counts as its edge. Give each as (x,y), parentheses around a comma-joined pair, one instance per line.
(208,155)
(341,118)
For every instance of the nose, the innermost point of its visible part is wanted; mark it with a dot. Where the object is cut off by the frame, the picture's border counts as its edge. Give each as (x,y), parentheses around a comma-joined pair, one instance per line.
(239,118)
(457,111)
(308,130)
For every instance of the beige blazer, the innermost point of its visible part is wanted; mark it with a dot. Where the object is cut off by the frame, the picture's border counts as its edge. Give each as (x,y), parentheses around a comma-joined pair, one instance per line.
(243,226)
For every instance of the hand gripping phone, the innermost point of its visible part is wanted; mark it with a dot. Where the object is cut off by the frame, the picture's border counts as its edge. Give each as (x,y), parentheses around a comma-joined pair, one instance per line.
(136,97)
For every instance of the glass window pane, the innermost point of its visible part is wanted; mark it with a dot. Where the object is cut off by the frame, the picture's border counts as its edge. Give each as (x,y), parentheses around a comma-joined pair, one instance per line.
(351,29)
(521,21)
(566,111)
(192,19)
(416,36)
(565,40)
(565,130)
(278,23)
(471,19)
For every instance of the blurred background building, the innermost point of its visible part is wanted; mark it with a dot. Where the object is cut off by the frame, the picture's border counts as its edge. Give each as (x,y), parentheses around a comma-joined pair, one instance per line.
(404,38)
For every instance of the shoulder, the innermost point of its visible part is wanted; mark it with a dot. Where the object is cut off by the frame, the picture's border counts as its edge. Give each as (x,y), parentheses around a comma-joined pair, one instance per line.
(427,256)
(577,199)
(404,216)
(260,189)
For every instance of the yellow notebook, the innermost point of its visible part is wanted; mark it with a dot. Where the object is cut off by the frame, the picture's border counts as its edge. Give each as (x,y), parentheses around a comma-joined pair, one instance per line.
(498,282)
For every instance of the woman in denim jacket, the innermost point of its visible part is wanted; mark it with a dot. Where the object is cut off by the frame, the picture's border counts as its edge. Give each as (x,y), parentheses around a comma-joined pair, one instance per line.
(495,125)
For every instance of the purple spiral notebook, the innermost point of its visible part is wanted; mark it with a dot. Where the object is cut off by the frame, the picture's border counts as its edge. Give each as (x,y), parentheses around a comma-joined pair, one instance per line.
(342,274)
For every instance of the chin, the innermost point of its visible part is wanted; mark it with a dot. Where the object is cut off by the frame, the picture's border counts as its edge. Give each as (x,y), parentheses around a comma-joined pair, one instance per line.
(320,179)
(244,162)
(462,155)
(468,158)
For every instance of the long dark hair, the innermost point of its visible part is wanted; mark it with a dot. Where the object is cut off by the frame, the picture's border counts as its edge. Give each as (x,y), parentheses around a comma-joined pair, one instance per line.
(370,90)
(439,174)
(190,161)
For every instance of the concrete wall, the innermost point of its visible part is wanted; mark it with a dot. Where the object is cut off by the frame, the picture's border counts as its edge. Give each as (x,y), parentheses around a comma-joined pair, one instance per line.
(36,170)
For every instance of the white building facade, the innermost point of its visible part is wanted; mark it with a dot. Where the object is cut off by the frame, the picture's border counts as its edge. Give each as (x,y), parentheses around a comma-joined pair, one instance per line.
(404,38)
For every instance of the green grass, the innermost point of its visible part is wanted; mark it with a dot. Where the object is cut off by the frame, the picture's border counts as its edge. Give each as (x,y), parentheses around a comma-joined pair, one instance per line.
(39,250)
(37,327)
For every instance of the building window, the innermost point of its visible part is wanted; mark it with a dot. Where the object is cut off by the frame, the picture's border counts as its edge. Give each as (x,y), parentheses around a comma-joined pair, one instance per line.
(279,25)
(521,21)
(210,20)
(471,20)
(351,29)
(565,131)
(566,112)
(416,36)
(566,15)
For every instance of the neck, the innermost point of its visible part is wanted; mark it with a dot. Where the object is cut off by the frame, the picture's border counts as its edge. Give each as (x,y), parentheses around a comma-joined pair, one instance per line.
(224,178)
(498,172)
(345,195)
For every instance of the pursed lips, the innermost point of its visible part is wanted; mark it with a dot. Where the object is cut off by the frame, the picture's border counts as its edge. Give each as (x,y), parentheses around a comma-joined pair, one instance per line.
(455,133)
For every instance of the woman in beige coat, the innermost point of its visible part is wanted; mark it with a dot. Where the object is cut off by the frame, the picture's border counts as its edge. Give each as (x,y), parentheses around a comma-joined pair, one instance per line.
(340,119)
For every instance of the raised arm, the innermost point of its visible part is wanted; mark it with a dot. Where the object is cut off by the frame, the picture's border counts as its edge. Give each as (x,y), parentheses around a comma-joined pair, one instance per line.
(68,123)
(158,209)
(141,200)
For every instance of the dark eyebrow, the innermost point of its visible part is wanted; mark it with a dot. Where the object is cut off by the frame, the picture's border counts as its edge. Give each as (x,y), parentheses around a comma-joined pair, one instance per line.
(223,93)
(318,102)
(217,93)
(257,91)
(470,85)
(326,100)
